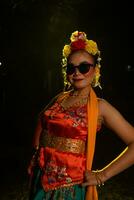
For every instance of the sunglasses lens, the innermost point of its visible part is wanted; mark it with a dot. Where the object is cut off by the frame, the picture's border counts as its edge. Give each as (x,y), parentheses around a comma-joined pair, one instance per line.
(70,69)
(84,68)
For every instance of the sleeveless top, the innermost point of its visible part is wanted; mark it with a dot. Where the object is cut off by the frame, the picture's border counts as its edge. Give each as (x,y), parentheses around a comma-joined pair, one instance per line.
(62,146)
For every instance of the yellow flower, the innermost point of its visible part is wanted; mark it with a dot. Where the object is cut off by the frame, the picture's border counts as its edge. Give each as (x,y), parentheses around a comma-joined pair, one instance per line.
(77,35)
(66,50)
(91,47)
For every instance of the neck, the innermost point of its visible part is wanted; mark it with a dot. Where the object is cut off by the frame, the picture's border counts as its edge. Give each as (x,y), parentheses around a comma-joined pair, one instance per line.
(81,92)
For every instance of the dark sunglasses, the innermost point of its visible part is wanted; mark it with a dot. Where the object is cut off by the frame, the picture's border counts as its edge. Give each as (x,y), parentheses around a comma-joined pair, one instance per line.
(83,68)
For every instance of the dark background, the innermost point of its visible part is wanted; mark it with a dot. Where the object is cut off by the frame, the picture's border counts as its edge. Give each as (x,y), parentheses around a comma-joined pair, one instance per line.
(32,35)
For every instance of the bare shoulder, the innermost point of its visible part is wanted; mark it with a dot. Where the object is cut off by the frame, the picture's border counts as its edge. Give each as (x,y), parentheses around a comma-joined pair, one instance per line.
(104,106)
(107,110)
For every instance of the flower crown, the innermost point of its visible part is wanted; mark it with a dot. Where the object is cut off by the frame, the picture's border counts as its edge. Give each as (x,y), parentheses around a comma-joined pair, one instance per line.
(79,41)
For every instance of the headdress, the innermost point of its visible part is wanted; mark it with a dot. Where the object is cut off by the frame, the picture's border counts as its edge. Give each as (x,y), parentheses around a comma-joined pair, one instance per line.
(79,41)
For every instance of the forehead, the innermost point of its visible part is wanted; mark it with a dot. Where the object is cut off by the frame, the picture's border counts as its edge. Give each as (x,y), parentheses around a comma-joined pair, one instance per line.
(80,56)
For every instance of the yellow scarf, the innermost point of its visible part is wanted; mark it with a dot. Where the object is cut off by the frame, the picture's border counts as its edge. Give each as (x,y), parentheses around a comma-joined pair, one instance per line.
(91,193)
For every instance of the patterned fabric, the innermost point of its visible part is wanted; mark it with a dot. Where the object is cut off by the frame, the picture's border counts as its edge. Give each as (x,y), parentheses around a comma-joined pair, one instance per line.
(61,172)
(62,144)
(64,161)
(75,192)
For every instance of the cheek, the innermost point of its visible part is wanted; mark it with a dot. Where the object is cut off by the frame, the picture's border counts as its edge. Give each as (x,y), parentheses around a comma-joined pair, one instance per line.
(90,74)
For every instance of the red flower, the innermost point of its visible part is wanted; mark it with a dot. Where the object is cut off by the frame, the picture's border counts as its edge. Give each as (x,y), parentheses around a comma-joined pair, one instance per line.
(77,45)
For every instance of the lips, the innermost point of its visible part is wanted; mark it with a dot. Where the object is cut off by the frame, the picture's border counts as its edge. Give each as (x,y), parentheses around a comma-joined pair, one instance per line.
(77,79)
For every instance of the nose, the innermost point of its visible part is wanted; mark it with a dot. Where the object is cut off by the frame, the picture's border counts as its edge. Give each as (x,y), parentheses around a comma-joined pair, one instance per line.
(76,71)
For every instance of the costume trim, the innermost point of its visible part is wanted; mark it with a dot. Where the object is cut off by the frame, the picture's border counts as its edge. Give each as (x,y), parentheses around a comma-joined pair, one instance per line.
(62,186)
(62,143)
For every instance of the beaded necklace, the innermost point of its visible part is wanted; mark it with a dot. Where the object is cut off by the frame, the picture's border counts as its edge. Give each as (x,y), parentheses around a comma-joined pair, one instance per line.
(79,102)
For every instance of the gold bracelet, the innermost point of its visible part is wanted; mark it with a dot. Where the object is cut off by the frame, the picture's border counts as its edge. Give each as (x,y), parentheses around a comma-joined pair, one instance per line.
(99,181)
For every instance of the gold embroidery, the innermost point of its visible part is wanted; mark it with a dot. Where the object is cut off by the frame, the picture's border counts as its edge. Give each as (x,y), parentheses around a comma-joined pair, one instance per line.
(62,143)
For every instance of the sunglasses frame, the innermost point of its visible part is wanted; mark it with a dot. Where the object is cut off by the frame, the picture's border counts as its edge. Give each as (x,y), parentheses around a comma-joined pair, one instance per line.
(81,65)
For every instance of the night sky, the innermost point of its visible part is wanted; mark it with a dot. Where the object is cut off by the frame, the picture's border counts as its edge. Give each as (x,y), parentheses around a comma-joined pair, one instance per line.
(32,35)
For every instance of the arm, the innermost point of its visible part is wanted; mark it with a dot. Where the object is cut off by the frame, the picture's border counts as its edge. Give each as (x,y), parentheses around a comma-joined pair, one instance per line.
(37,133)
(35,146)
(38,130)
(116,122)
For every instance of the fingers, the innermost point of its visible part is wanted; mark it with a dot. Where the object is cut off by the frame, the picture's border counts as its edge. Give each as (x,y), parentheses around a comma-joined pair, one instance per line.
(85,184)
(93,178)
(90,179)
(88,174)
(87,171)
(87,177)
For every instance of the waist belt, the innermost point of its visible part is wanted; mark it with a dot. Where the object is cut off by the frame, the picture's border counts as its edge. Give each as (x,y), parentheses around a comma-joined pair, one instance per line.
(62,143)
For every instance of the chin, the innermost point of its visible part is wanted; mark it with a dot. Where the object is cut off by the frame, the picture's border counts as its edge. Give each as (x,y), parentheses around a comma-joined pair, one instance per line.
(80,86)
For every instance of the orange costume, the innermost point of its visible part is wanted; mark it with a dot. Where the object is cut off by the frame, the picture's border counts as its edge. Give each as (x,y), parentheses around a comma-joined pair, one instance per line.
(67,144)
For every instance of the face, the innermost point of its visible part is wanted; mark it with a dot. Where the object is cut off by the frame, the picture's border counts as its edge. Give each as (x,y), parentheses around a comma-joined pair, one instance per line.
(78,79)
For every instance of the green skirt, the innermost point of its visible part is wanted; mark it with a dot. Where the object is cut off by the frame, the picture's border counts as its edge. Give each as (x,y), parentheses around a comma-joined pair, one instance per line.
(76,192)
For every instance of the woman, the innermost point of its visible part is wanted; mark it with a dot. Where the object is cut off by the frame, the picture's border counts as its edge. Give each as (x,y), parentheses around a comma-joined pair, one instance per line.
(64,139)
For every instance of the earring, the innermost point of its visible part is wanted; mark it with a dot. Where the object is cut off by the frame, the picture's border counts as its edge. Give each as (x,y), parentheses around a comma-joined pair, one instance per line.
(96,78)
